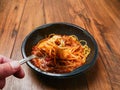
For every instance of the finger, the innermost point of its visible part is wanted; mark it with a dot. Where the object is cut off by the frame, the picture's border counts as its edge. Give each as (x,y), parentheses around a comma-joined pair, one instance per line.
(20,73)
(4,59)
(2,83)
(7,69)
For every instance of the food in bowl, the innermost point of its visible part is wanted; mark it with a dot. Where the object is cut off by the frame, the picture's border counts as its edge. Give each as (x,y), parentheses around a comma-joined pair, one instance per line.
(61,53)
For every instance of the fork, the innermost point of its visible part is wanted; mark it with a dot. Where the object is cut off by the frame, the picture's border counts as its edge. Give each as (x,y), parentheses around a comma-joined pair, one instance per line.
(22,61)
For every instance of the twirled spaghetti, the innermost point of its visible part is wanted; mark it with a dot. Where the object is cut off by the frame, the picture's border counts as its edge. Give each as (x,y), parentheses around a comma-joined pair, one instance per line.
(62,53)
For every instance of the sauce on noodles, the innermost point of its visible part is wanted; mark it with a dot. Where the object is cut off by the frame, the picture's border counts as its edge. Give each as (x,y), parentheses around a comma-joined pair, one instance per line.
(62,53)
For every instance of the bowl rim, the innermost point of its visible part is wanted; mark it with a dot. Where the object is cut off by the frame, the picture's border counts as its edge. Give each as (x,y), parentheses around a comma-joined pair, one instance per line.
(74,72)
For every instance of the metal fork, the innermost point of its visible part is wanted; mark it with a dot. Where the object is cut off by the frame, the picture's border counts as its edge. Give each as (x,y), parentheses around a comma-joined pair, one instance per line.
(22,61)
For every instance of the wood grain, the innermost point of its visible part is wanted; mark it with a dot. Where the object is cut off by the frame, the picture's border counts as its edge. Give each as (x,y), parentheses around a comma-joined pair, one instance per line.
(106,37)
(31,19)
(100,17)
(80,17)
(10,18)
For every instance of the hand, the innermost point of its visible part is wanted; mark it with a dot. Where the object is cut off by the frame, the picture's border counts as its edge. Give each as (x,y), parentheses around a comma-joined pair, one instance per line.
(8,68)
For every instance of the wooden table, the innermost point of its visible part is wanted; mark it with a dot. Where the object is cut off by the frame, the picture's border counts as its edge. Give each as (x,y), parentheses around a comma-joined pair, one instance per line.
(100,17)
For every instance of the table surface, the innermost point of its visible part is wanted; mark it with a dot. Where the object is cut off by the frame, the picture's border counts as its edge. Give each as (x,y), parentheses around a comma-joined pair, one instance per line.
(100,17)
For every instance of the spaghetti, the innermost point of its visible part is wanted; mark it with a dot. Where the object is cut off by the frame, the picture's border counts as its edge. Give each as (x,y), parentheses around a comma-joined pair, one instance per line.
(62,53)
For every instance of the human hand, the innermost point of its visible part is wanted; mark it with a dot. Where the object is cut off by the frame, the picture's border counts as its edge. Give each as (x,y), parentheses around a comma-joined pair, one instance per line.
(8,68)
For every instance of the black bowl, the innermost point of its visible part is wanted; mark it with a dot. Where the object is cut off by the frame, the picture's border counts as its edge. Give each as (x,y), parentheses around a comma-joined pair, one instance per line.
(63,29)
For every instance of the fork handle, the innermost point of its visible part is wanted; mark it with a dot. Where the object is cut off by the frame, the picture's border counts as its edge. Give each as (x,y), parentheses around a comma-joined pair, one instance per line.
(22,61)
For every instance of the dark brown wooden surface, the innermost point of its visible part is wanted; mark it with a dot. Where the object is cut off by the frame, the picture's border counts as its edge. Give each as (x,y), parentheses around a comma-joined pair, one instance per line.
(100,17)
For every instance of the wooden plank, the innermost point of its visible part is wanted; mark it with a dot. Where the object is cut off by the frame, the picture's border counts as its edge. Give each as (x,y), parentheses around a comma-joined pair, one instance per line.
(10,16)
(106,28)
(113,9)
(32,17)
(54,15)
(4,8)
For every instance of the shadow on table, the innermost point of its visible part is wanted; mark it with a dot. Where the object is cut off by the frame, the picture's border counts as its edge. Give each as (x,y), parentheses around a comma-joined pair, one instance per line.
(74,83)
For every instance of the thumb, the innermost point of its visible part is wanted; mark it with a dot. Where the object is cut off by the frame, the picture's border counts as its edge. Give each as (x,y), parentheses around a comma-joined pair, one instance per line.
(10,68)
